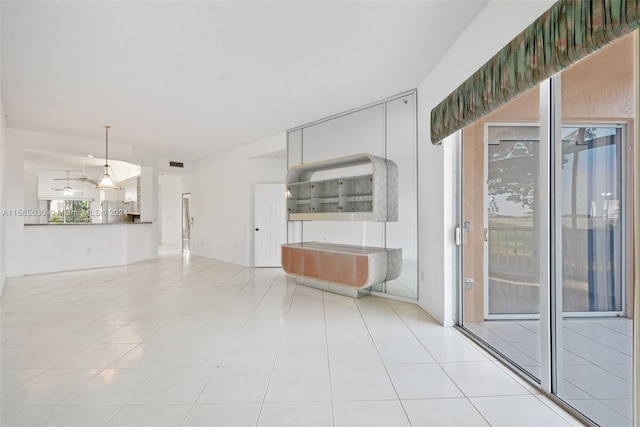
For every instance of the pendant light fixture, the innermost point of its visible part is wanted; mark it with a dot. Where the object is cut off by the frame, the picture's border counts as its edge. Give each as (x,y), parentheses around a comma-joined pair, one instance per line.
(105,182)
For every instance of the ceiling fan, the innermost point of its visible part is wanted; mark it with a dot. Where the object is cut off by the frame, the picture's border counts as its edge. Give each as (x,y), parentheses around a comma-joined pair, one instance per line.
(66,190)
(82,178)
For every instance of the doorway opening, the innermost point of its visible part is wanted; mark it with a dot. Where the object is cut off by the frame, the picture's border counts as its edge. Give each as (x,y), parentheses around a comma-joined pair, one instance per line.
(187,223)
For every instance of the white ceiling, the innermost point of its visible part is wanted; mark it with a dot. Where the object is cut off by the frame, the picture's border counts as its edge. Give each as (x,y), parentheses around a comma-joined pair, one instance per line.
(189,79)
(59,164)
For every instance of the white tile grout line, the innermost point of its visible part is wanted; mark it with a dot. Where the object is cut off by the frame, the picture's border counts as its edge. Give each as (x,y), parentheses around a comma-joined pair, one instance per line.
(275,360)
(382,360)
(326,338)
(244,286)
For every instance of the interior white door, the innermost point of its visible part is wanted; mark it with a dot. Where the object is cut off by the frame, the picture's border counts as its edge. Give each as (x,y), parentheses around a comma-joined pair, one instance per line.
(270,224)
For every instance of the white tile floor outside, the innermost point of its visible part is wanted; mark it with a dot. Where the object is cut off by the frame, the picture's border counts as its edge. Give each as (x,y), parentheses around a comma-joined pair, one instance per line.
(597,361)
(203,343)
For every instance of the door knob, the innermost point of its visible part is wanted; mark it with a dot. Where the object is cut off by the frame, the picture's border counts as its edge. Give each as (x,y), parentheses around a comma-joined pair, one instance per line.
(257,229)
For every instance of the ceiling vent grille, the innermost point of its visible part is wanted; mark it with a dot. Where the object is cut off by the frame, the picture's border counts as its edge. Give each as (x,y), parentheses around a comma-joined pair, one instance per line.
(176,164)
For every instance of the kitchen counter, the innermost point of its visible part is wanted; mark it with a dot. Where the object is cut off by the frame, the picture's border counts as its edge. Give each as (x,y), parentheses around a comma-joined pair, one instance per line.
(62,247)
(88,223)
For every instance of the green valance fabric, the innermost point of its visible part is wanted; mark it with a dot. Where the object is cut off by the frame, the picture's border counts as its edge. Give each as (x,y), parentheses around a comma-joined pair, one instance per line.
(566,33)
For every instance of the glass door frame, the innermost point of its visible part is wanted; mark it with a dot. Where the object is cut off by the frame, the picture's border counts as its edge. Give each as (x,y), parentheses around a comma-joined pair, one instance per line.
(557,195)
(485,224)
(549,90)
(551,262)
(622,209)
(550,253)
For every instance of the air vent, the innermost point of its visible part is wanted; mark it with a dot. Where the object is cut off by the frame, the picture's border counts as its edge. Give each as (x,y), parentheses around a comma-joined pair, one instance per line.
(176,164)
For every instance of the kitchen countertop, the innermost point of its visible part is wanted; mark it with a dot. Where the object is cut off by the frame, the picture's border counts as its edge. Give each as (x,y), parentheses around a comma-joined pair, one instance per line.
(88,223)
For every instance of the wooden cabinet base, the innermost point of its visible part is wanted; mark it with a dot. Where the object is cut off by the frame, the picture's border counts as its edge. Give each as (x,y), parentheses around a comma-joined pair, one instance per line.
(355,267)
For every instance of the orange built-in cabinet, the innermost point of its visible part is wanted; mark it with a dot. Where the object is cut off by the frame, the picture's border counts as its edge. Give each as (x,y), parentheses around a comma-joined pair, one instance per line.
(355,266)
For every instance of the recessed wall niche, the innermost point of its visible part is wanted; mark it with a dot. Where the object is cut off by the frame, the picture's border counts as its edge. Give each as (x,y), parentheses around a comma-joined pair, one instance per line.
(386,129)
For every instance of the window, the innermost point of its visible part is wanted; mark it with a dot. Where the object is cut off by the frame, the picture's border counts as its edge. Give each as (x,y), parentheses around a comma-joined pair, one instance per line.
(69,211)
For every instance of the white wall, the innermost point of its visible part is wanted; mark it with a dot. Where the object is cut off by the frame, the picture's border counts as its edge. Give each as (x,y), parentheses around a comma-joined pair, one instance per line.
(162,164)
(436,170)
(3,186)
(129,192)
(170,213)
(54,248)
(14,200)
(140,242)
(171,185)
(222,198)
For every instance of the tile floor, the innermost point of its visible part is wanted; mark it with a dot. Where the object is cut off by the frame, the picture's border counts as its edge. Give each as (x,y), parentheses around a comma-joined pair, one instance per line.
(406,285)
(197,342)
(597,361)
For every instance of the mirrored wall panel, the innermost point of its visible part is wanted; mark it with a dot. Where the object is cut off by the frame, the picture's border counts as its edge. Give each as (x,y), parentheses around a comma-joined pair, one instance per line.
(385,130)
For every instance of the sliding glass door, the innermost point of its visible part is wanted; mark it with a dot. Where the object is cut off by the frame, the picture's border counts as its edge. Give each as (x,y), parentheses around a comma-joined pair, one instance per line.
(512,274)
(592,220)
(500,237)
(546,210)
(594,356)
(595,352)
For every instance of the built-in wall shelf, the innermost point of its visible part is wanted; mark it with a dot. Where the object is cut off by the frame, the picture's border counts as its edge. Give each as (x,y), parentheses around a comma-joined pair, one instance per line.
(359,197)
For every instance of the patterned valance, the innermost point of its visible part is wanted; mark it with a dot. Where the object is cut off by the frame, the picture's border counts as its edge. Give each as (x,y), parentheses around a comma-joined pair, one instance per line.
(566,33)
